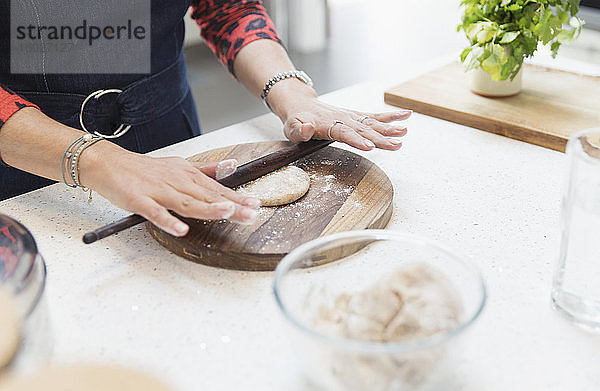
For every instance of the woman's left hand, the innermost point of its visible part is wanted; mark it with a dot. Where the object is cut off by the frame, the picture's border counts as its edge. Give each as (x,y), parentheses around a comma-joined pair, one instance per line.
(303,114)
(312,118)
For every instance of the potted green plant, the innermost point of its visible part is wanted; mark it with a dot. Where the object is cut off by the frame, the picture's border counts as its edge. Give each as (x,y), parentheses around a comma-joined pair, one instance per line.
(503,33)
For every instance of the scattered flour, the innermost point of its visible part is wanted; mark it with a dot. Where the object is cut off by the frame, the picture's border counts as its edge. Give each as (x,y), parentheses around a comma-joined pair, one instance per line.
(315,203)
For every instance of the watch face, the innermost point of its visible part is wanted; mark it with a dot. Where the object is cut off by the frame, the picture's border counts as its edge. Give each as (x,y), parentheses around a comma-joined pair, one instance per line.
(17,251)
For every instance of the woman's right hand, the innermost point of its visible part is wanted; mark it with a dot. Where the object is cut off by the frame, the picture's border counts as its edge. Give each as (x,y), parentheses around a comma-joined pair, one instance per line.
(151,187)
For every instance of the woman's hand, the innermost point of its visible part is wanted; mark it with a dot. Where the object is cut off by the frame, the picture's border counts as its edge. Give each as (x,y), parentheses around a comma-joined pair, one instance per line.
(151,187)
(305,117)
(361,130)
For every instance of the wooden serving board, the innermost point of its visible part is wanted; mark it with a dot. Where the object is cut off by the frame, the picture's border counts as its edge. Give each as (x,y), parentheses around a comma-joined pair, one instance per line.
(347,192)
(552,104)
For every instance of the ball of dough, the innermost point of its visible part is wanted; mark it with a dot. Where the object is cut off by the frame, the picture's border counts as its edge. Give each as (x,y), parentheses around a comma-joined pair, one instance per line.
(278,187)
(11,329)
(84,377)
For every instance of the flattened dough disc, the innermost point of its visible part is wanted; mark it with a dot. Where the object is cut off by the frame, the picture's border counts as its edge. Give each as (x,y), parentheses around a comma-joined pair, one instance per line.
(280,187)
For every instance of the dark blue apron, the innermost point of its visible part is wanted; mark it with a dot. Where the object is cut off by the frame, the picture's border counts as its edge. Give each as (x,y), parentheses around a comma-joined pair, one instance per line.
(159,106)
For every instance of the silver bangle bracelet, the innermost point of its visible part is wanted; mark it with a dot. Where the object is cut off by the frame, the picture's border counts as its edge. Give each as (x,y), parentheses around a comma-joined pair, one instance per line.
(87,142)
(300,75)
(67,157)
(77,146)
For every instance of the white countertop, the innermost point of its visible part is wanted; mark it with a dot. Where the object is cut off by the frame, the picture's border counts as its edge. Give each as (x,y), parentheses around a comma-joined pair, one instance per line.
(127,300)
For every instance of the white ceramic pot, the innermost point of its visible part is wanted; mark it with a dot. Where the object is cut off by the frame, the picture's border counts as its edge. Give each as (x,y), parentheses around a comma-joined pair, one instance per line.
(482,84)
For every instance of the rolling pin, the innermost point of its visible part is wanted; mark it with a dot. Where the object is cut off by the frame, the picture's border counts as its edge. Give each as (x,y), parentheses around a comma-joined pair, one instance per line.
(243,174)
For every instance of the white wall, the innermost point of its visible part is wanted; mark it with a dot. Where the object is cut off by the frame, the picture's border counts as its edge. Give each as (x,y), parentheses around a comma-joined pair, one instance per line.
(274,7)
(192,32)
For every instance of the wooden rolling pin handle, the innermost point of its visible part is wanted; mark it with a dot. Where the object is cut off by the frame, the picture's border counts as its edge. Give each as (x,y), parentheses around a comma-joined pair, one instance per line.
(271,162)
(113,228)
(244,173)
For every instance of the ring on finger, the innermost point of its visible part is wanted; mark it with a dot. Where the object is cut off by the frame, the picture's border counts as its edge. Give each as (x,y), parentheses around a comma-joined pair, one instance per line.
(331,127)
(362,118)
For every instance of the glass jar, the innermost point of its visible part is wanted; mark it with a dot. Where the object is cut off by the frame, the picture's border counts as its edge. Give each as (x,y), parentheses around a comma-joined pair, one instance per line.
(23,275)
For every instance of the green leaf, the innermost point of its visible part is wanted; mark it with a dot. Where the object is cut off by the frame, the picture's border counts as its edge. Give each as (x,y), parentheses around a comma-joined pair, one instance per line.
(565,36)
(548,27)
(485,36)
(495,61)
(464,54)
(493,66)
(510,36)
(508,68)
(574,6)
(543,15)
(516,70)
(554,48)
(563,15)
(498,51)
(575,22)
(472,60)
(473,30)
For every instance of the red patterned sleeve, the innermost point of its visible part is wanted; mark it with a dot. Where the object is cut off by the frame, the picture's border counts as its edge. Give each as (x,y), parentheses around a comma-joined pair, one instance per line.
(10,103)
(229,25)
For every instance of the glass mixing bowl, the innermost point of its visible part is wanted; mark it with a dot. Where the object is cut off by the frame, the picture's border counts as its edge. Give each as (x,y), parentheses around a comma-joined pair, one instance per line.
(306,290)
(23,275)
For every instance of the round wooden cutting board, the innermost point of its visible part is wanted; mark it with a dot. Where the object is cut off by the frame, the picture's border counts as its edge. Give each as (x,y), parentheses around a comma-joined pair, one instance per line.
(347,192)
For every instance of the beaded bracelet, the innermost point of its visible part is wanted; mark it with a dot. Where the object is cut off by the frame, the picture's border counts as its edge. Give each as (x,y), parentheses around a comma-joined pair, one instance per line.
(87,141)
(72,155)
(300,75)
(67,155)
